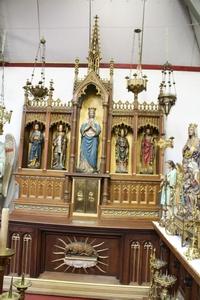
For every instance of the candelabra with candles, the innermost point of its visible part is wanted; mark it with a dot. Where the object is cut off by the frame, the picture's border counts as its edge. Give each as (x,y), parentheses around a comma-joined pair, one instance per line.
(160,282)
(155,265)
(138,82)
(165,281)
(38,91)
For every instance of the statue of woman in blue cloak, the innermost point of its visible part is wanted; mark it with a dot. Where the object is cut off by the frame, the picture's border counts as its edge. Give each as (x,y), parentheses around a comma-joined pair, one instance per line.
(90,131)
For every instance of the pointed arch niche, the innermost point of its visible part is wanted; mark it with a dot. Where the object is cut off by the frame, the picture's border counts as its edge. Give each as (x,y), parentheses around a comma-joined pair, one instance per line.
(90,94)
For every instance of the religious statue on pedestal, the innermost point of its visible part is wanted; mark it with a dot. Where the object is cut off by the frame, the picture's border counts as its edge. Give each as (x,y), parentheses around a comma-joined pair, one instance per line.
(36,139)
(121,150)
(59,148)
(191,166)
(147,154)
(168,186)
(90,131)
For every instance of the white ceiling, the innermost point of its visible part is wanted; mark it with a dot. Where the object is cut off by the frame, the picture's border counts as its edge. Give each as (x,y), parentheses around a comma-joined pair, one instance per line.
(168,33)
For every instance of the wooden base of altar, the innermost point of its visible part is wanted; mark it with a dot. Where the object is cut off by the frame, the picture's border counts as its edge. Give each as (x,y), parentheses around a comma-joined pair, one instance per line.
(98,248)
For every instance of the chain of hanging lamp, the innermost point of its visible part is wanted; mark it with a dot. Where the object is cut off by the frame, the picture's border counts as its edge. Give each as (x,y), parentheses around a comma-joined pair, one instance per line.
(38,91)
(138,82)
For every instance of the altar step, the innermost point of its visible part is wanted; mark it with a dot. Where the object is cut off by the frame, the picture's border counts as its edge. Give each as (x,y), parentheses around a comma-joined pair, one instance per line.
(82,289)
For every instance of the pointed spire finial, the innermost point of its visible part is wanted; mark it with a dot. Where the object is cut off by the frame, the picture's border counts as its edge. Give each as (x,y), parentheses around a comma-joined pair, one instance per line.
(94,51)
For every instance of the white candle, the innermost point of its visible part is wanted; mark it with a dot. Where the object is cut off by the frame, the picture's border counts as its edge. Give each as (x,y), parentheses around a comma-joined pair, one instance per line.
(4,228)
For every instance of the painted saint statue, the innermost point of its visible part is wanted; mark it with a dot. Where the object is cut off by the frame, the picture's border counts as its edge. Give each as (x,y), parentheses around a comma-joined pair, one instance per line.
(36,140)
(59,148)
(121,150)
(147,152)
(90,131)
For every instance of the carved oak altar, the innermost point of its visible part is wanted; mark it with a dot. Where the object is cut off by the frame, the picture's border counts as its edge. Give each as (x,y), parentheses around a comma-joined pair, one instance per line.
(118,186)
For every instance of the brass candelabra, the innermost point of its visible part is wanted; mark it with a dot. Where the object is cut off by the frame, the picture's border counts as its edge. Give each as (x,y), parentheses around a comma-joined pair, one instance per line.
(5,255)
(155,265)
(160,282)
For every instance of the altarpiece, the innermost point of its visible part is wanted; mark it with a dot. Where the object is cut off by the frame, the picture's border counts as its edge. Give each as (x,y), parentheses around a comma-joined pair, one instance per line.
(120,181)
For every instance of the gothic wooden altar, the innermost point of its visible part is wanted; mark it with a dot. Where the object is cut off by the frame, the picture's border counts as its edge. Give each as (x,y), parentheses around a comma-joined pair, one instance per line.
(120,186)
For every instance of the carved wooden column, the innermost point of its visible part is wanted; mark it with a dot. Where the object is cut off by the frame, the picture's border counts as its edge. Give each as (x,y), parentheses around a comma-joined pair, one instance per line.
(67,190)
(48,118)
(104,137)
(134,146)
(73,137)
(105,191)
(109,129)
(108,152)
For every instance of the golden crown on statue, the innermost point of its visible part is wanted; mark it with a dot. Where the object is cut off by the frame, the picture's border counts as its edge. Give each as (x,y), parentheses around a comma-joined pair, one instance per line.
(91,109)
(193,125)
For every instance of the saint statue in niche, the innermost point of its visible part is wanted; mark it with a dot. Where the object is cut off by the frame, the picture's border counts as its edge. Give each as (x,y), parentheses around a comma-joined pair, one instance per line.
(90,131)
(59,148)
(147,154)
(36,139)
(121,150)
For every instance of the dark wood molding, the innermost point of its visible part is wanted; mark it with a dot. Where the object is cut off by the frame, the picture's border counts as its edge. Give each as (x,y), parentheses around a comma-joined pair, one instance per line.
(103,65)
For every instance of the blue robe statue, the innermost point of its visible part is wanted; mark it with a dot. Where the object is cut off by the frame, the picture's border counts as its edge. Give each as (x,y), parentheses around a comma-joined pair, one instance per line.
(90,132)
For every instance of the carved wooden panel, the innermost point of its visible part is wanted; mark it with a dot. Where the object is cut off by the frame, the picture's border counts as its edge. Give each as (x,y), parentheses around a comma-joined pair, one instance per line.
(134,193)
(15,260)
(41,188)
(21,262)
(26,254)
(140,261)
(108,249)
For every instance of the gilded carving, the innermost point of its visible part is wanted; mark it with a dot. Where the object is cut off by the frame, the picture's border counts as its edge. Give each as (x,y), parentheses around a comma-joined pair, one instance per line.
(123,106)
(64,118)
(32,117)
(150,107)
(44,208)
(118,120)
(24,185)
(134,193)
(129,213)
(152,121)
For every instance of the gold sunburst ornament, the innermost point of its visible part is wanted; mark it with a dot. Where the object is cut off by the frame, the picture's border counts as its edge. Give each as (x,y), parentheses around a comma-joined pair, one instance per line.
(80,254)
